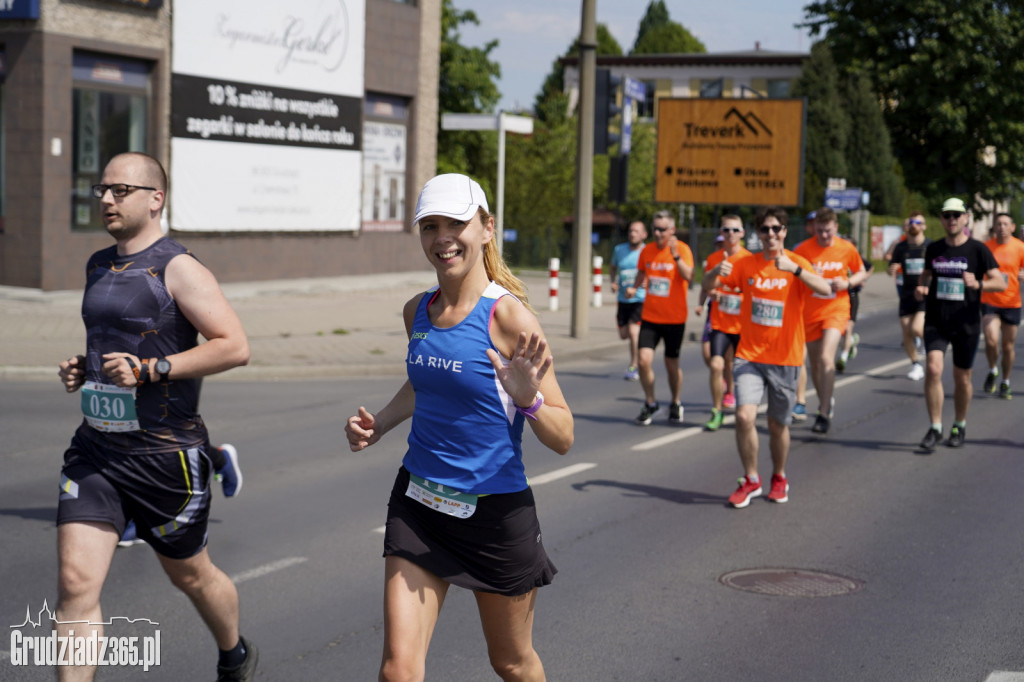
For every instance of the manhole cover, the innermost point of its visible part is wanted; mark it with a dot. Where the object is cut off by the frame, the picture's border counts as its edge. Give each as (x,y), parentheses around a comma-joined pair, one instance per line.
(790,582)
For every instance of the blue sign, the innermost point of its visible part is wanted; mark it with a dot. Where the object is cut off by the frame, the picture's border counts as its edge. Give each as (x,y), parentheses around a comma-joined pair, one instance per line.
(843,199)
(19,9)
(634,89)
(509,235)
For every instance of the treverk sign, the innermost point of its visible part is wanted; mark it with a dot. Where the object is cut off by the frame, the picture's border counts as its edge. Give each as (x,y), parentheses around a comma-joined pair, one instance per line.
(730,151)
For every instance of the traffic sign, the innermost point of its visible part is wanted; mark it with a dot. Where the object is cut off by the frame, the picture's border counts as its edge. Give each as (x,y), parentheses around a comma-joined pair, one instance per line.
(843,199)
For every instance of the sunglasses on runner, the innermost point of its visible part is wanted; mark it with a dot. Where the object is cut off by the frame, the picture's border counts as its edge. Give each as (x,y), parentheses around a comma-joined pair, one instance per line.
(765,229)
(951,215)
(917,222)
(732,229)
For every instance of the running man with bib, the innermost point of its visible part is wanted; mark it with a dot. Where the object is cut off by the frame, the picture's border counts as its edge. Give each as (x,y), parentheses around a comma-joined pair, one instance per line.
(957,269)
(461,510)
(141,451)
(775,285)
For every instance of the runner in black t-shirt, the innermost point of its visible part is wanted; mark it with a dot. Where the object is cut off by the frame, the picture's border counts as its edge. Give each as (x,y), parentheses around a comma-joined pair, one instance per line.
(956,270)
(908,259)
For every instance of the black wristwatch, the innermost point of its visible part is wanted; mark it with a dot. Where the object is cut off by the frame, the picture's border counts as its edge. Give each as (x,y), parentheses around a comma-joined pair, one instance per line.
(163,368)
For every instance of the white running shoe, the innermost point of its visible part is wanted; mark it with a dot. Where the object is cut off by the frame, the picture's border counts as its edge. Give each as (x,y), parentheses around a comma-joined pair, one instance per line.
(916,372)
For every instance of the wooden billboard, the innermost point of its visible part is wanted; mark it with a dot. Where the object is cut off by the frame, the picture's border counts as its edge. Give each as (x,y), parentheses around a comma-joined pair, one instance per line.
(730,151)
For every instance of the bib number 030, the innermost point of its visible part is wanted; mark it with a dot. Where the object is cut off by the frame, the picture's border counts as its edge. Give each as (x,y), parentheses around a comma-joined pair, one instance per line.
(109,408)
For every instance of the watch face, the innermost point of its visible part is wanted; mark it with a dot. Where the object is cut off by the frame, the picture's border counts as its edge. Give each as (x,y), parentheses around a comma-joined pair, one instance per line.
(163,366)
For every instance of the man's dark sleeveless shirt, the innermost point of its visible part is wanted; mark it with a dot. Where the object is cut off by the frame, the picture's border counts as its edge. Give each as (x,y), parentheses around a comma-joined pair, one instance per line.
(127,308)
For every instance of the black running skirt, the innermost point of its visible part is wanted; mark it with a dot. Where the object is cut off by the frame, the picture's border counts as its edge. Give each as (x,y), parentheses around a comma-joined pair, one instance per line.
(498,549)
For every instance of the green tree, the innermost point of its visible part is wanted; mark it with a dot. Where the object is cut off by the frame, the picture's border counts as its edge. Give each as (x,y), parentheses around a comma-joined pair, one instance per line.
(466,84)
(869,156)
(828,126)
(950,81)
(554,84)
(658,34)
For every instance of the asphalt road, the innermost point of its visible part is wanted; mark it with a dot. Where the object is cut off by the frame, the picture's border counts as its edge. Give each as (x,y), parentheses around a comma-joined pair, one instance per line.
(929,546)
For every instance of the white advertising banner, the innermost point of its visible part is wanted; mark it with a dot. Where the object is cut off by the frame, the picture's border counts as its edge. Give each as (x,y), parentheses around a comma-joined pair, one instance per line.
(266,115)
(384,152)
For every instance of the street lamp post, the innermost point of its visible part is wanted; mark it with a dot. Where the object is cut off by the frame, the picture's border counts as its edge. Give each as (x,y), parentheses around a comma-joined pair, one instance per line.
(503,123)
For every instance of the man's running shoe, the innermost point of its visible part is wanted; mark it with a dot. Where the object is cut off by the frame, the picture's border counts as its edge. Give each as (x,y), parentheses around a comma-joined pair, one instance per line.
(647,414)
(780,489)
(956,436)
(715,422)
(916,372)
(230,476)
(130,536)
(1004,391)
(853,348)
(821,424)
(990,381)
(729,401)
(632,373)
(841,362)
(800,413)
(244,671)
(748,490)
(675,413)
(931,439)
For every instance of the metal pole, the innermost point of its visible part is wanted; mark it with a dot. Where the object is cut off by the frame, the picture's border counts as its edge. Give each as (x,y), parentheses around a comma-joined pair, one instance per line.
(584,173)
(500,221)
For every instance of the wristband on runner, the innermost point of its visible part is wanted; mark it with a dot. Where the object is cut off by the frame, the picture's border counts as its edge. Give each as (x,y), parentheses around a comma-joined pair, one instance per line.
(531,411)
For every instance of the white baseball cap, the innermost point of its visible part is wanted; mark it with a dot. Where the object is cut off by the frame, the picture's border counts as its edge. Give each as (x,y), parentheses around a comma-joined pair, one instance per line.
(452,195)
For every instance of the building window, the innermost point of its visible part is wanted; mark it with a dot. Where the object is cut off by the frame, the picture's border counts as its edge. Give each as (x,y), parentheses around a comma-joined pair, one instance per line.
(779,88)
(110,110)
(645,109)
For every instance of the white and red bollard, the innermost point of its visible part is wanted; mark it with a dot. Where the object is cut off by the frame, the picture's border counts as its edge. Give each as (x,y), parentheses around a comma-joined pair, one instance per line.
(598,280)
(553,284)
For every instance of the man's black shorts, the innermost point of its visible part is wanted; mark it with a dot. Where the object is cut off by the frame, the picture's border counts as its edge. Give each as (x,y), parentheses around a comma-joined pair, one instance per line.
(651,333)
(629,313)
(166,494)
(1009,316)
(965,345)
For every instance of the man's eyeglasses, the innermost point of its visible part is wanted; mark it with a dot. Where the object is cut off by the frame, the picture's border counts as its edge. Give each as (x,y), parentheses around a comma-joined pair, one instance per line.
(765,229)
(118,190)
(917,222)
(951,215)
(736,230)
(662,229)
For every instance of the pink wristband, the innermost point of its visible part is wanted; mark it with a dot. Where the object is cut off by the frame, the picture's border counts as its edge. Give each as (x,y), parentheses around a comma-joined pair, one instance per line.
(531,411)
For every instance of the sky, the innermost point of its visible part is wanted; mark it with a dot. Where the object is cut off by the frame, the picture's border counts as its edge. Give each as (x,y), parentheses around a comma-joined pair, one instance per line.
(533,33)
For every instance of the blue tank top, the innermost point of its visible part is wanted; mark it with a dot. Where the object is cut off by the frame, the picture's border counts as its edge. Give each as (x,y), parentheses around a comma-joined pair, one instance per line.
(466,432)
(127,308)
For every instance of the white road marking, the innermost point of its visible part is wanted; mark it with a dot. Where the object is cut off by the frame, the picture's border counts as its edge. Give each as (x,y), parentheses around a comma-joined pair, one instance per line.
(541,480)
(1004,676)
(694,430)
(263,570)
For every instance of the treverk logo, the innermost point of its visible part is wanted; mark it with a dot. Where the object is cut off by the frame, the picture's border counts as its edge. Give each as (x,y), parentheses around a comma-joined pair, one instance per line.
(91,649)
(737,126)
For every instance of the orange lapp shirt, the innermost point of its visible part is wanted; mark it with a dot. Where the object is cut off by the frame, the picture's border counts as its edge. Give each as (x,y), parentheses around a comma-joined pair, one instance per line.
(666,289)
(831,262)
(772,314)
(725,312)
(1010,257)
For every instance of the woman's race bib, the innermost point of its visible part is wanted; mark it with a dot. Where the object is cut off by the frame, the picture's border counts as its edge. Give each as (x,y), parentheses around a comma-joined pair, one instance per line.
(436,496)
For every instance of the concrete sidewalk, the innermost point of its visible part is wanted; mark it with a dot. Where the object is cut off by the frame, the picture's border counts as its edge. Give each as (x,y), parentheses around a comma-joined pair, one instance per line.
(328,327)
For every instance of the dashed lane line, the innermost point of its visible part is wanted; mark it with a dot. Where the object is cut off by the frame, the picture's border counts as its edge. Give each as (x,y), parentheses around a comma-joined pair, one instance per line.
(730,419)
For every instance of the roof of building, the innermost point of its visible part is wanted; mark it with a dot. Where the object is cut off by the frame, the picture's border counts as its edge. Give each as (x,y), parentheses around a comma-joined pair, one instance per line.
(697,59)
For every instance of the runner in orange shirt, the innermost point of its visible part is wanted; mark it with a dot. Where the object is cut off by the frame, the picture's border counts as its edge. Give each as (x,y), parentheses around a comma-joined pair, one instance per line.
(775,286)
(665,268)
(1000,310)
(724,316)
(826,316)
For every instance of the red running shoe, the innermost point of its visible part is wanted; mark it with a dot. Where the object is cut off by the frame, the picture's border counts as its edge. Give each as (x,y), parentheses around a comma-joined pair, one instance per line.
(748,489)
(780,489)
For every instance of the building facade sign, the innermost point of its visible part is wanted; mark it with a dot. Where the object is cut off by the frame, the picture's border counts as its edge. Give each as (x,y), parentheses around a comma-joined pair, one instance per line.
(266,131)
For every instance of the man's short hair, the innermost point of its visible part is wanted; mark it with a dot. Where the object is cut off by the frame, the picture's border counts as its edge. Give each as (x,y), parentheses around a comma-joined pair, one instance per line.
(664,214)
(1000,215)
(776,212)
(731,216)
(824,215)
